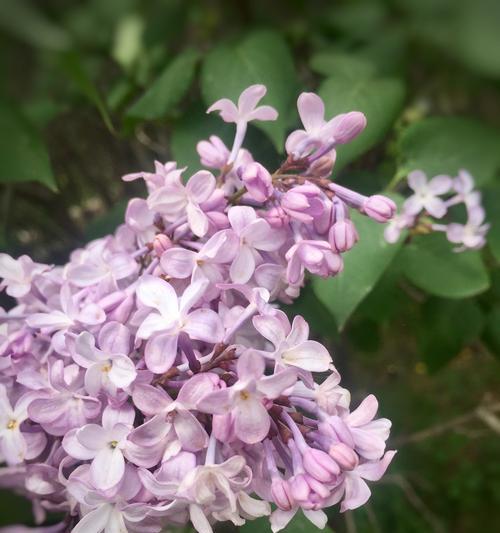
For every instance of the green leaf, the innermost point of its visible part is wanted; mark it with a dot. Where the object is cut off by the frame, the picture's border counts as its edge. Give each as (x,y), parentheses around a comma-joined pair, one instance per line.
(193,127)
(342,65)
(25,21)
(363,266)
(379,99)
(446,326)
(430,263)
(166,91)
(262,57)
(74,67)
(23,156)
(444,145)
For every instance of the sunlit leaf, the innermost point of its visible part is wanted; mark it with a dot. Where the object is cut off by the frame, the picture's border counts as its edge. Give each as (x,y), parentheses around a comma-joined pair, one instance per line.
(444,145)
(166,91)
(23,156)
(430,263)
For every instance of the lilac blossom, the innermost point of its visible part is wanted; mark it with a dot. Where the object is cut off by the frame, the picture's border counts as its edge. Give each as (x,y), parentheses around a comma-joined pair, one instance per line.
(441,196)
(426,194)
(153,380)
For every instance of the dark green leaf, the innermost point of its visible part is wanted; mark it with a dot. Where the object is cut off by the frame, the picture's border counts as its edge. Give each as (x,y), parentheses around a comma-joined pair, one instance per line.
(380,100)
(445,328)
(193,127)
(263,57)
(167,91)
(74,67)
(23,156)
(342,65)
(444,145)
(363,266)
(24,20)
(430,263)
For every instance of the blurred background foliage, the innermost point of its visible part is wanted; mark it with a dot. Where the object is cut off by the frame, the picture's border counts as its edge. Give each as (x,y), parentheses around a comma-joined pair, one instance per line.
(94,89)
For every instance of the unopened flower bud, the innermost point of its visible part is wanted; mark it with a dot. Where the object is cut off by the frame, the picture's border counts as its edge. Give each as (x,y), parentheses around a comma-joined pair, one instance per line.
(322,167)
(320,465)
(349,126)
(343,235)
(258,182)
(282,494)
(379,207)
(213,153)
(161,243)
(344,456)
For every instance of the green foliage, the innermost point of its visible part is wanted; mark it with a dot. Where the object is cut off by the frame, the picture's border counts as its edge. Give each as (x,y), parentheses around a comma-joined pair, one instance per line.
(380,99)
(75,69)
(492,331)
(444,145)
(446,326)
(23,156)
(168,89)
(429,263)
(363,266)
(298,524)
(343,65)
(262,57)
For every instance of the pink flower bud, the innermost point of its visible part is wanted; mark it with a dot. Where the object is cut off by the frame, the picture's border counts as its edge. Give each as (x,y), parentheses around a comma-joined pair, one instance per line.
(258,182)
(213,153)
(343,235)
(282,494)
(322,167)
(379,207)
(349,126)
(161,243)
(320,465)
(344,456)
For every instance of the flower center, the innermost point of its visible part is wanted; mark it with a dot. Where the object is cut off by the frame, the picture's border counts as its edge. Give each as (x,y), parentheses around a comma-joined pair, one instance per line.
(244,395)
(113,444)
(106,368)
(12,424)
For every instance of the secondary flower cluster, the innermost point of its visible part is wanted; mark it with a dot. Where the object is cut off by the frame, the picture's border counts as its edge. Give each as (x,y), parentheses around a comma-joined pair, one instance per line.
(436,198)
(153,381)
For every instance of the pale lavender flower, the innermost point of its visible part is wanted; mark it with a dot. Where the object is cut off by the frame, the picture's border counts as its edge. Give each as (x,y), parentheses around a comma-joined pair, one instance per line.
(172,317)
(471,235)
(18,274)
(245,112)
(245,399)
(426,194)
(255,235)
(318,132)
(291,344)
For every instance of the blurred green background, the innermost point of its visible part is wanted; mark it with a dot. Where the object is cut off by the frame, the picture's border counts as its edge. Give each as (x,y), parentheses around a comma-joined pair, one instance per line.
(94,89)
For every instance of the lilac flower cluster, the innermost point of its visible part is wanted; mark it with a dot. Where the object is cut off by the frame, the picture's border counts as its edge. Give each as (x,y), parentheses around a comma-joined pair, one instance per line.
(153,381)
(432,199)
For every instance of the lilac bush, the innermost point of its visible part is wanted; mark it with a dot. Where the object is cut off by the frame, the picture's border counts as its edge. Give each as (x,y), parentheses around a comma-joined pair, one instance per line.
(153,379)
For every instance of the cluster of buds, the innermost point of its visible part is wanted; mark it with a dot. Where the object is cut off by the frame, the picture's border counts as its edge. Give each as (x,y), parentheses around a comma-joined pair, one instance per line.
(153,380)
(435,199)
